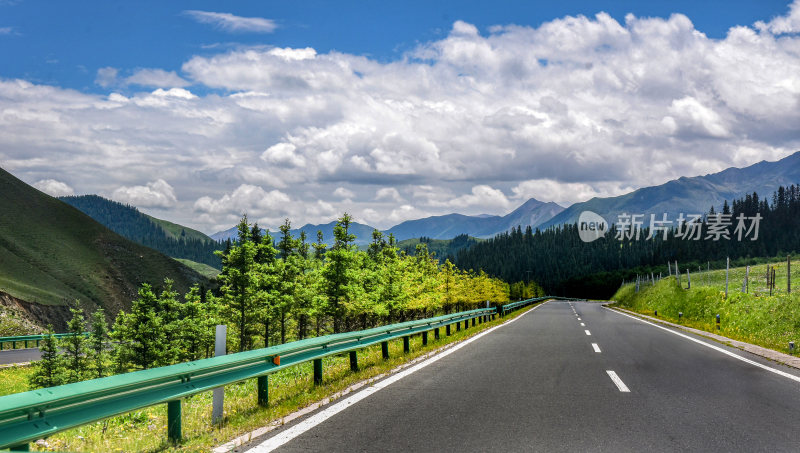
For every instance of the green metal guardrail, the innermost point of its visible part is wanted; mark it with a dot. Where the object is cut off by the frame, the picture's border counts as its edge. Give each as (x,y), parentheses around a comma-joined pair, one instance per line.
(28,416)
(24,339)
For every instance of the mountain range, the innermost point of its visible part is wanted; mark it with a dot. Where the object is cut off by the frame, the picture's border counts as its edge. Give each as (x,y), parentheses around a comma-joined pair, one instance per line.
(690,195)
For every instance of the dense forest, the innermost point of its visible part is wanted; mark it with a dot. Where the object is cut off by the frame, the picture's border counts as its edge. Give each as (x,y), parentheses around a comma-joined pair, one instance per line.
(558,260)
(128,222)
(272,291)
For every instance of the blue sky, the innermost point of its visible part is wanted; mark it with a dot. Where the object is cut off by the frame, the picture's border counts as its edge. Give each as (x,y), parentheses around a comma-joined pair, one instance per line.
(65,43)
(197,112)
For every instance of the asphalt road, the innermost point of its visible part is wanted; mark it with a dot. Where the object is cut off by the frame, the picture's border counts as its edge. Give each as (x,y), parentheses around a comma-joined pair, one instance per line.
(539,384)
(19,355)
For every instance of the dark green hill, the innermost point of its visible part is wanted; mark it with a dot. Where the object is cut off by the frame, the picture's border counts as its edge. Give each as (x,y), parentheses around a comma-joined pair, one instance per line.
(168,238)
(443,248)
(52,254)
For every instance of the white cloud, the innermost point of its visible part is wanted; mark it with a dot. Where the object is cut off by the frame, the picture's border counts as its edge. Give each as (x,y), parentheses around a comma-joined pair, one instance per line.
(156,194)
(156,78)
(231,23)
(106,77)
(6,30)
(246,199)
(341,192)
(474,122)
(565,193)
(283,154)
(54,188)
(388,193)
(789,23)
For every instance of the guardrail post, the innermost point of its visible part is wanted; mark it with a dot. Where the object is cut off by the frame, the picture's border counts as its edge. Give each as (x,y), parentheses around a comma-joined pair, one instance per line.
(263,390)
(1,345)
(353,361)
(447,330)
(458,326)
(406,345)
(473,322)
(21,447)
(317,371)
(436,333)
(13,345)
(424,338)
(174,421)
(218,394)
(385,349)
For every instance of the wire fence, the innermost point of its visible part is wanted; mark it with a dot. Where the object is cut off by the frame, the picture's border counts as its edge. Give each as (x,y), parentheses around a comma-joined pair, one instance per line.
(770,278)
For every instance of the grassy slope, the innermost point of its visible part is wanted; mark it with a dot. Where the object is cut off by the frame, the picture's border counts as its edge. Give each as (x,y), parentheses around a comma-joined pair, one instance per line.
(203,269)
(768,321)
(51,253)
(174,230)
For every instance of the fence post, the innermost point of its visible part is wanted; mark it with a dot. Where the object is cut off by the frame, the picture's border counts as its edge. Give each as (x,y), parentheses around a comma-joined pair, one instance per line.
(746,280)
(727,271)
(174,420)
(218,398)
(688,279)
(353,361)
(263,390)
(669,269)
(788,274)
(317,371)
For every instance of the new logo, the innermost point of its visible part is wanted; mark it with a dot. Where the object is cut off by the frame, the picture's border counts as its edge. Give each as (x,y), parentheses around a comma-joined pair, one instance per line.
(591,226)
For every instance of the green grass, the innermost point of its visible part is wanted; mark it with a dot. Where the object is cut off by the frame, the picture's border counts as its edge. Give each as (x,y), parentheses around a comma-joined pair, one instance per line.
(53,254)
(14,379)
(768,321)
(174,230)
(203,269)
(290,389)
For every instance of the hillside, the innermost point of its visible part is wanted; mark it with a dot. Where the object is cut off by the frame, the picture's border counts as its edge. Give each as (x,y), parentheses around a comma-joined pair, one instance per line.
(168,238)
(442,248)
(694,195)
(52,254)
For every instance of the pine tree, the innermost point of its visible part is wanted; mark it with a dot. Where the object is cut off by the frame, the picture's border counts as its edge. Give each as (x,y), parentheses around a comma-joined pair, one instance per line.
(98,336)
(239,285)
(140,337)
(75,349)
(49,370)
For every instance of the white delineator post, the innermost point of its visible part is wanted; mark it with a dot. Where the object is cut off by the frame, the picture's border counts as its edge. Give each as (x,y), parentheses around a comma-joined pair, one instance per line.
(218,402)
(727,270)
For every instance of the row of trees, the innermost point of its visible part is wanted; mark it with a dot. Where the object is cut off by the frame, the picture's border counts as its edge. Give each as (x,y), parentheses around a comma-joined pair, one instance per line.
(270,289)
(270,292)
(563,264)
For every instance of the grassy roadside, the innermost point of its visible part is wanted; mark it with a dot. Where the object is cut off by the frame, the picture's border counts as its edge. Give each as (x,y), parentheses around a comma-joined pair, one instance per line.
(763,320)
(290,390)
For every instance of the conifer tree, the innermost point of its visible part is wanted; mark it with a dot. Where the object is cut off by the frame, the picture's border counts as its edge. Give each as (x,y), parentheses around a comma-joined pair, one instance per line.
(75,349)
(98,336)
(49,370)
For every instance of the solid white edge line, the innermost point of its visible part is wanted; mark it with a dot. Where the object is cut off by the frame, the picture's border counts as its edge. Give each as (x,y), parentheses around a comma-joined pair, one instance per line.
(588,333)
(617,381)
(285,436)
(716,348)
(595,347)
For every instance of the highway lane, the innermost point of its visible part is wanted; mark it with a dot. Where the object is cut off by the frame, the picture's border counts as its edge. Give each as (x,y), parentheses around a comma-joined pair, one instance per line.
(539,384)
(19,355)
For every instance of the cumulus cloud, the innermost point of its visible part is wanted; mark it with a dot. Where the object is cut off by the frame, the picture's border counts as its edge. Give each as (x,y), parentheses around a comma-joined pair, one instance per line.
(54,188)
(231,23)
(156,78)
(156,194)
(341,192)
(476,121)
(789,23)
(389,194)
